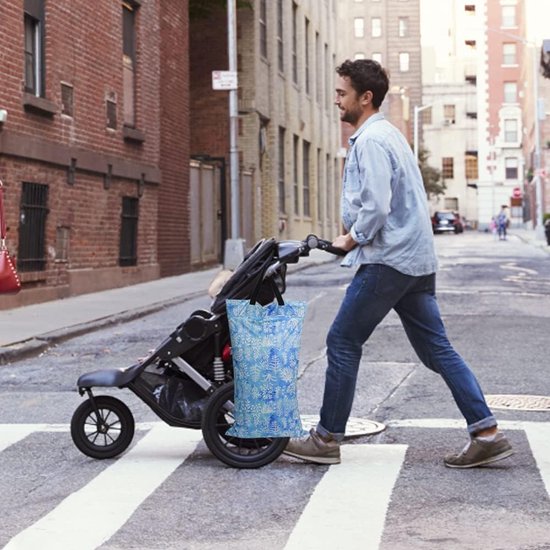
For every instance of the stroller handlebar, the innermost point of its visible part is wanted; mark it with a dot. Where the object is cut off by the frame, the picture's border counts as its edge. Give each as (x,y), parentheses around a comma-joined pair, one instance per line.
(291,251)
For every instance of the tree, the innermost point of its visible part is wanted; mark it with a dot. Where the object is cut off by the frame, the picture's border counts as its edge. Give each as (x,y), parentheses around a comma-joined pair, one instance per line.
(433,182)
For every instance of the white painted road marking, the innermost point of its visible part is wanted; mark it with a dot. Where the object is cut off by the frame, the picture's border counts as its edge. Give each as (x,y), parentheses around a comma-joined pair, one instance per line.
(93,514)
(347,510)
(539,440)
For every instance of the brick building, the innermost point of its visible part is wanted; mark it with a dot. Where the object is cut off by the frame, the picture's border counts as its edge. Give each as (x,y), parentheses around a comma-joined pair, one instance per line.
(288,124)
(94,148)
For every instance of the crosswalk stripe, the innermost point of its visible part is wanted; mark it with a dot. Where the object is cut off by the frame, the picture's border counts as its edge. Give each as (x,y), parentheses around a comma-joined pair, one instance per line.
(347,510)
(539,441)
(12,433)
(96,512)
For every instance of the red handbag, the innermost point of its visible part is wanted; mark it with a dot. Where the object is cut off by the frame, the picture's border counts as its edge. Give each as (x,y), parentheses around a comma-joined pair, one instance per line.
(9,280)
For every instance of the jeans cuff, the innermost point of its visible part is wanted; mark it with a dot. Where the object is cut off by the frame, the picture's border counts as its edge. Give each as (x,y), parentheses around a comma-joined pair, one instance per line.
(339,437)
(486,423)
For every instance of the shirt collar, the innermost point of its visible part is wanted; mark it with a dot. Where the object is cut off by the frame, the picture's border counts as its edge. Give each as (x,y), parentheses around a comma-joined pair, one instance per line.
(365,125)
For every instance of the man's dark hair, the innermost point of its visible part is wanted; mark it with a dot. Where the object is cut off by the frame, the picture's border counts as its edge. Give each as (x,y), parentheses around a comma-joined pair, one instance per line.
(366,75)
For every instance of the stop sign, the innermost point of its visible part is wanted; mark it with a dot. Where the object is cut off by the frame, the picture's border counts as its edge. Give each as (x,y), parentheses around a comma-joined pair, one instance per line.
(516,193)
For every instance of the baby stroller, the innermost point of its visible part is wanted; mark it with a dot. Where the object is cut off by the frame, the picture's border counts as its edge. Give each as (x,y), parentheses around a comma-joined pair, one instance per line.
(188,379)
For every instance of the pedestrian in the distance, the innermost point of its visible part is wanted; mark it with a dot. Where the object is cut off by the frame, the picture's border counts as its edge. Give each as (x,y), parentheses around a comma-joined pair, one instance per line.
(502,222)
(389,237)
(493,227)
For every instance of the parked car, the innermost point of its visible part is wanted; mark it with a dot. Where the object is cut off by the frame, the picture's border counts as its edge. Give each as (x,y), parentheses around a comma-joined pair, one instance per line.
(447,221)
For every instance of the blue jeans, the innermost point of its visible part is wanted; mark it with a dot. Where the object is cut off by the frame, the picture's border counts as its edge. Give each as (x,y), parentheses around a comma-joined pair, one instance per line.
(373,292)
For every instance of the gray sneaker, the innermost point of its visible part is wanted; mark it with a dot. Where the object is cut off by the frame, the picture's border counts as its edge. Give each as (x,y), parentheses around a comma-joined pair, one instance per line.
(314,448)
(478,452)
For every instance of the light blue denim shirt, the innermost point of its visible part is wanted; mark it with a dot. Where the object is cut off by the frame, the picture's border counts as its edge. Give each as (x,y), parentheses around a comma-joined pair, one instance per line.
(384,204)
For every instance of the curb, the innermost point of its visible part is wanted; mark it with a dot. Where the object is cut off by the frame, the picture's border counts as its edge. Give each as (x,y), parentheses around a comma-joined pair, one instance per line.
(35,346)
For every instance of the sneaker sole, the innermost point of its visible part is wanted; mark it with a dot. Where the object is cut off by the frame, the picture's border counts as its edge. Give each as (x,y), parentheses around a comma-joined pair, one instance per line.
(314,459)
(490,460)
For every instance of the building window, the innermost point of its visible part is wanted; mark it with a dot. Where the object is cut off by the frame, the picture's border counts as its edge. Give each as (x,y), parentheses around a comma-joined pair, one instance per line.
(110,108)
(359,55)
(280,46)
(31,253)
(294,43)
(295,151)
(129,63)
(447,167)
(128,231)
(426,115)
(282,164)
(403,26)
(376,27)
(509,54)
(359,27)
(511,167)
(320,201)
(305,181)
(449,114)
(306,48)
(67,99)
(510,130)
(318,69)
(510,92)
(471,165)
(470,9)
(377,56)
(404,60)
(263,28)
(508,16)
(34,49)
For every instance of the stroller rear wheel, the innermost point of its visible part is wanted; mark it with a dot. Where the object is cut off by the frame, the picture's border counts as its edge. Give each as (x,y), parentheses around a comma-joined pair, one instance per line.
(103,435)
(234,451)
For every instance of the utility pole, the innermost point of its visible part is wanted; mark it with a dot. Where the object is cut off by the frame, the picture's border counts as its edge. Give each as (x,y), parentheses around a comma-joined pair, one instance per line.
(234,247)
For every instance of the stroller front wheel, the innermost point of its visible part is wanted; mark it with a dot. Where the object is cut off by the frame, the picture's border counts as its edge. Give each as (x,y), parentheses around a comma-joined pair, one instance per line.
(234,451)
(105,433)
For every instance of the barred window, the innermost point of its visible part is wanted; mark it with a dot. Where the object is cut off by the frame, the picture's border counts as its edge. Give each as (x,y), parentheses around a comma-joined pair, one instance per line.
(511,166)
(31,255)
(128,231)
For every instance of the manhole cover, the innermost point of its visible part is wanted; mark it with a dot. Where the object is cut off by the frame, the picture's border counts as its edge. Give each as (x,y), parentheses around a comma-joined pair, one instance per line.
(519,402)
(355,427)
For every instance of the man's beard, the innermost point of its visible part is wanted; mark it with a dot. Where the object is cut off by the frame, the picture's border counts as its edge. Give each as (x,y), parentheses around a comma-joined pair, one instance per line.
(349,116)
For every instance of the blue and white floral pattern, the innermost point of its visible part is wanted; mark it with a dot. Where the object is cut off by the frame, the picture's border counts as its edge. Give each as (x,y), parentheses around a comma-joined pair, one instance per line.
(265,343)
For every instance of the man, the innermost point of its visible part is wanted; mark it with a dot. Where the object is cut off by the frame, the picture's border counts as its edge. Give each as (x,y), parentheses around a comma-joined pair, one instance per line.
(389,236)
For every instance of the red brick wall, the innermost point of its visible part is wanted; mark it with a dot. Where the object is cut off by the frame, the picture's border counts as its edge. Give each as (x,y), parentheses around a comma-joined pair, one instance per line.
(173,214)
(83,45)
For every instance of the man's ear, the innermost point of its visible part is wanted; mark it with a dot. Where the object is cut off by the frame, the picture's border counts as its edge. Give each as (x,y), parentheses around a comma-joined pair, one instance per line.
(366,98)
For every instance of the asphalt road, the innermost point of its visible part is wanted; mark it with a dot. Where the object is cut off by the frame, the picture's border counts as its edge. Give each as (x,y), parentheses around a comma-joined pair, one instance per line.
(391,492)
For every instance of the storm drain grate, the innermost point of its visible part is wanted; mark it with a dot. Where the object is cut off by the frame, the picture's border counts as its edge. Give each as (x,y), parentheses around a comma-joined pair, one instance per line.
(355,427)
(519,402)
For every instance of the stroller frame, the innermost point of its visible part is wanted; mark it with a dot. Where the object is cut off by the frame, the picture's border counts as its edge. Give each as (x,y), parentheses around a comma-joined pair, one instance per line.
(103,426)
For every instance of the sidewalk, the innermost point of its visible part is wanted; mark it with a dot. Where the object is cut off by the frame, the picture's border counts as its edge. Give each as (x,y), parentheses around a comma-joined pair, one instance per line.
(528,236)
(28,330)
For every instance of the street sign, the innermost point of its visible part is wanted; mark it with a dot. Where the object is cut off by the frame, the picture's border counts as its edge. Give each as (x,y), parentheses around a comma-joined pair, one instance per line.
(224,80)
(516,193)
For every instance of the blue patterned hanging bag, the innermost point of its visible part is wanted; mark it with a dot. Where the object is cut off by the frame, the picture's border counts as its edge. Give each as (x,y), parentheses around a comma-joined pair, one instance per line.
(265,343)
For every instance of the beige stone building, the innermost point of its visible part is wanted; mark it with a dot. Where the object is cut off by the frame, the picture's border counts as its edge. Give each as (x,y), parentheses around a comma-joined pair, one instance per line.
(289,127)
(387,31)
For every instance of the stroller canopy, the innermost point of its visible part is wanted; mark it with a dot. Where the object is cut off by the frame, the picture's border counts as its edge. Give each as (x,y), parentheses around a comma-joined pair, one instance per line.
(242,282)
